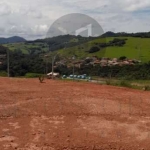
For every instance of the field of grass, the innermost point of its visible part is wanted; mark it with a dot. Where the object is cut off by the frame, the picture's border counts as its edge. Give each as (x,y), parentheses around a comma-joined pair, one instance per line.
(134,84)
(25,47)
(138,48)
(135,48)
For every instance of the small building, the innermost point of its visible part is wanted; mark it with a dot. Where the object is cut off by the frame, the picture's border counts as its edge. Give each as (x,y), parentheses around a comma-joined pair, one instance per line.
(97,62)
(114,59)
(126,63)
(115,63)
(94,58)
(110,62)
(103,61)
(55,75)
(105,58)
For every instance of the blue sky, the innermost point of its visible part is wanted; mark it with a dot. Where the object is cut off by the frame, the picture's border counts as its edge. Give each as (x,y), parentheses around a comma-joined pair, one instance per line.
(31,19)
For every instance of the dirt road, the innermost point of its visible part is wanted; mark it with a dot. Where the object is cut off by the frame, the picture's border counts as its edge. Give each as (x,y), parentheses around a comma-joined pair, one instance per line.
(58,115)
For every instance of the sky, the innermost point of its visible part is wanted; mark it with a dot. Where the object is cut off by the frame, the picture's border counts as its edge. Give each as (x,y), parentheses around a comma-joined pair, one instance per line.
(31,19)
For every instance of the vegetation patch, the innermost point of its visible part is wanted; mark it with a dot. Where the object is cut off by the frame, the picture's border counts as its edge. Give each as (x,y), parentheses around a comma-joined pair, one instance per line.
(3,74)
(33,75)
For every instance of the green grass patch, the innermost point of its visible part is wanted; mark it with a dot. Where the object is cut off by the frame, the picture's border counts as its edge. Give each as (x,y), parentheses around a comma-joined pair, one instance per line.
(135,48)
(3,74)
(25,47)
(33,75)
(128,84)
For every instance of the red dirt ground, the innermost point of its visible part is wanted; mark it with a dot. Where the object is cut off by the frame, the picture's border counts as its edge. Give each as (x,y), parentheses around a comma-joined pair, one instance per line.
(58,115)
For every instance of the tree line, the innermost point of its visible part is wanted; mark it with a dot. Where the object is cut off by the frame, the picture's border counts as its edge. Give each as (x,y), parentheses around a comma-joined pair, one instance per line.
(21,64)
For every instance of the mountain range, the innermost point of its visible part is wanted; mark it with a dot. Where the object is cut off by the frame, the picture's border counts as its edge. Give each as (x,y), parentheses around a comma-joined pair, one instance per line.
(17,39)
(14,39)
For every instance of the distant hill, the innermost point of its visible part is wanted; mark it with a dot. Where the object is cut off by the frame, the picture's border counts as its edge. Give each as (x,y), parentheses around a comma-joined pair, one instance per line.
(124,34)
(63,41)
(14,39)
(109,34)
(136,46)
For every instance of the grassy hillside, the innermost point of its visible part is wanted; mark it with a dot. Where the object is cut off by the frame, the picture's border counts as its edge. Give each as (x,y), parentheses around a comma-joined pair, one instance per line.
(138,48)
(135,48)
(26,47)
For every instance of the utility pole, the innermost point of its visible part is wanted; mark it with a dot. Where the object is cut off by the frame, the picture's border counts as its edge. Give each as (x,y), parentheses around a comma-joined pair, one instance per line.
(52,67)
(46,68)
(53,60)
(73,71)
(8,70)
(73,66)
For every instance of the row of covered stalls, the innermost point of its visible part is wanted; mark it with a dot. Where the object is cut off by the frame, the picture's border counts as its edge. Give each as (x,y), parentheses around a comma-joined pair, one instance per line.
(82,77)
(79,77)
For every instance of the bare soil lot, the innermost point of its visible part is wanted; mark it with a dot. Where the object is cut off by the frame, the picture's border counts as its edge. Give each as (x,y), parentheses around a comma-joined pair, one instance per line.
(58,115)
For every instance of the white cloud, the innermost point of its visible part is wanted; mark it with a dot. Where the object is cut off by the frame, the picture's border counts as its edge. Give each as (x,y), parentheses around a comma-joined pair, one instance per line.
(31,19)
(4,9)
(40,29)
(134,5)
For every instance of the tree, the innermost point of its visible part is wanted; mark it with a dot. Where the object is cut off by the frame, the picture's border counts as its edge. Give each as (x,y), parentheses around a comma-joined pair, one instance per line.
(123,58)
(94,49)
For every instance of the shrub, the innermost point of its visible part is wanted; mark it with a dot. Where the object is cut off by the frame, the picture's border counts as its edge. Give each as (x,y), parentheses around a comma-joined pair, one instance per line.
(146,88)
(122,83)
(3,74)
(108,82)
(94,49)
(122,58)
(125,84)
(32,75)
